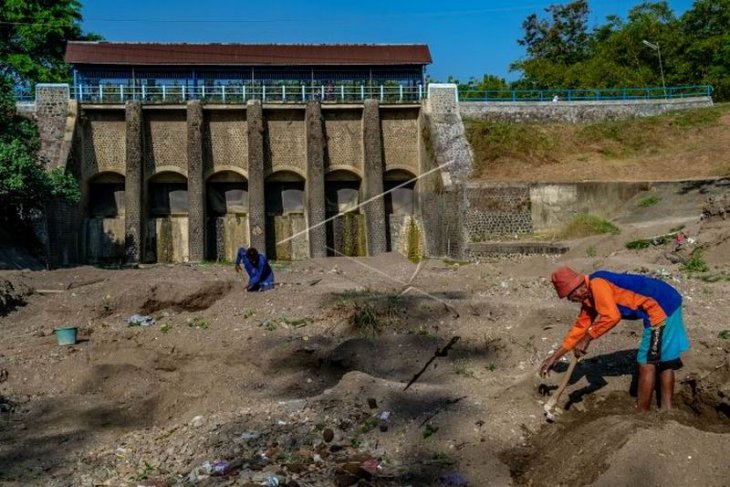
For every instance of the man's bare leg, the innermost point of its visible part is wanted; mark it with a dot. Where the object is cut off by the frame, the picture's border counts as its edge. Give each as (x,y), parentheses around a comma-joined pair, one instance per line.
(666,382)
(647,378)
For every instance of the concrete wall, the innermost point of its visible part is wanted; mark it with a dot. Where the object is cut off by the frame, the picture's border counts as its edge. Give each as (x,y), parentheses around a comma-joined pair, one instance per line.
(555,204)
(575,111)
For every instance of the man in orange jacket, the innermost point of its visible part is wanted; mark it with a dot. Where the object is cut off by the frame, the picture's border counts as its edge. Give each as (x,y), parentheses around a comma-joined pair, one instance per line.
(606,298)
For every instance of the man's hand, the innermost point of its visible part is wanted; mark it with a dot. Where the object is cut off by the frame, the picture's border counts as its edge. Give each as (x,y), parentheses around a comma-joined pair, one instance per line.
(546,365)
(238,268)
(581,348)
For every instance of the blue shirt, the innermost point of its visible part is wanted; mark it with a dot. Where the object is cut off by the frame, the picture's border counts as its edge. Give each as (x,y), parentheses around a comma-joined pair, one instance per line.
(260,275)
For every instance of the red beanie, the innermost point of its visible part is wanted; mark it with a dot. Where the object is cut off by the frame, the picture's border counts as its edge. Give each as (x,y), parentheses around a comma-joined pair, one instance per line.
(566,280)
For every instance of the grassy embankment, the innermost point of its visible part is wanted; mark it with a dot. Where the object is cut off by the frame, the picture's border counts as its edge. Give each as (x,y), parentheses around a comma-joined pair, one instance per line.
(678,145)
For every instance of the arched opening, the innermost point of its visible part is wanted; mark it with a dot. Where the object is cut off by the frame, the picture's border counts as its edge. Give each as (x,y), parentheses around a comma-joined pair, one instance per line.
(227,215)
(106,195)
(167,225)
(403,232)
(104,223)
(345,222)
(286,222)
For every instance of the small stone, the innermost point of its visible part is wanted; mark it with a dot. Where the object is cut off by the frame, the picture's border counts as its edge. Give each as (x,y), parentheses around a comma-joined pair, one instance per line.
(328,435)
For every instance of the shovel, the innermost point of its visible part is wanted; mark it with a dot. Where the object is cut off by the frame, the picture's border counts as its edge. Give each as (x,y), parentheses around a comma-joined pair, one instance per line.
(549,408)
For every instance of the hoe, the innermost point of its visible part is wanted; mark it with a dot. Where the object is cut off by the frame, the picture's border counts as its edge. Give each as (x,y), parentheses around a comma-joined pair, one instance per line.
(550,410)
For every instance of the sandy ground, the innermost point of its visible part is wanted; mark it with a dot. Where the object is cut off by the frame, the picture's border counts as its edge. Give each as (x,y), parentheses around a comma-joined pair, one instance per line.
(290,386)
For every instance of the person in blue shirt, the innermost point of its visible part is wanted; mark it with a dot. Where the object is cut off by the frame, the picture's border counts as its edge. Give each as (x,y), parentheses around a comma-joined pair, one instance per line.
(260,275)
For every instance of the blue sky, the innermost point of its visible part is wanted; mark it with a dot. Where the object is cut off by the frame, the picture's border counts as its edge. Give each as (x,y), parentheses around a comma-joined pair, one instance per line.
(466,39)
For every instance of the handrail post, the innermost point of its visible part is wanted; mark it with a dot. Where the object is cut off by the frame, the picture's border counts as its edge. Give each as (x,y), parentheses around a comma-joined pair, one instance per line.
(283,92)
(342,92)
(382,93)
(400,93)
(263,93)
(182,92)
(144,92)
(164,92)
(304,94)
(223,93)
(321,92)
(362,92)
(514,95)
(101,93)
(121,93)
(243,93)
(420,91)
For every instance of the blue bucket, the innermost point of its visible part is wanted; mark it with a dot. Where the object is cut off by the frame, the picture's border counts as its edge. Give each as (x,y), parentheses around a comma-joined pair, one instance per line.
(66,336)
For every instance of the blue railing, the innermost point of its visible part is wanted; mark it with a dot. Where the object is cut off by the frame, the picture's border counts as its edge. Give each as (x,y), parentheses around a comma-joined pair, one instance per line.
(606,94)
(24,94)
(289,93)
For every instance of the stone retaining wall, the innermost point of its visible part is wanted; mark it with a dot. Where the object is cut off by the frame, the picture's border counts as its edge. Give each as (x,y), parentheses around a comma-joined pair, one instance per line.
(575,111)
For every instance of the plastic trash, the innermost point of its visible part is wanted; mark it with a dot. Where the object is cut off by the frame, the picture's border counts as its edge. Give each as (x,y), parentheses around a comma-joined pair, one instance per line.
(271,481)
(372,466)
(453,479)
(249,435)
(219,467)
(140,320)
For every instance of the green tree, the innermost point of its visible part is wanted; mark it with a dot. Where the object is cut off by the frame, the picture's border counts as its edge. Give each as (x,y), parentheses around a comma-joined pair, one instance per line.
(619,58)
(33,35)
(553,45)
(706,28)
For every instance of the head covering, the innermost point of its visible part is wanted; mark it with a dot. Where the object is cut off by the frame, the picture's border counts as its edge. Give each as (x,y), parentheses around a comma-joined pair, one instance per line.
(566,280)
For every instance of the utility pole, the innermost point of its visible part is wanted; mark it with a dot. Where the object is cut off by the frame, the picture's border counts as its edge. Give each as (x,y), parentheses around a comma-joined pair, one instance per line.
(661,67)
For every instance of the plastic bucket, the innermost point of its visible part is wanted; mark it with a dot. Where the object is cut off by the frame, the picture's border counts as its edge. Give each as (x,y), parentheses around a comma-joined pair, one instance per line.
(66,336)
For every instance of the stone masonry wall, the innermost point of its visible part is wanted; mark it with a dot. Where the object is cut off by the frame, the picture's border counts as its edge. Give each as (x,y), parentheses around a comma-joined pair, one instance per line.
(284,141)
(51,111)
(400,138)
(343,139)
(225,140)
(575,111)
(104,144)
(165,140)
(450,146)
(496,211)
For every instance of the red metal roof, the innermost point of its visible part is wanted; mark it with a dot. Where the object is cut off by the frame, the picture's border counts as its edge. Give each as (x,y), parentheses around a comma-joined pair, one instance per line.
(245,54)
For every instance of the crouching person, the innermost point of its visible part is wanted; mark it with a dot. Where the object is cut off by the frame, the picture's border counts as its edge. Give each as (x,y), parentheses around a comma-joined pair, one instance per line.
(260,275)
(606,298)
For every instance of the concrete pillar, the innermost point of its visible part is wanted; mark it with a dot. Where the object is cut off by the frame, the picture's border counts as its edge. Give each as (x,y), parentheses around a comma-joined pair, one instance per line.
(375,220)
(133,184)
(256,200)
(196,185)
(315,181)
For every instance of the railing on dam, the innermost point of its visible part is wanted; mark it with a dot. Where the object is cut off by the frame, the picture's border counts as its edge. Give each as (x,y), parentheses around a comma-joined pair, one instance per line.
(351,93)
(121,93)
(607,94)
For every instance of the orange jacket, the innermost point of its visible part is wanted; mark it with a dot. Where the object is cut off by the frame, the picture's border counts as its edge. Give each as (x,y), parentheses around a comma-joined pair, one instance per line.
(608,304)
